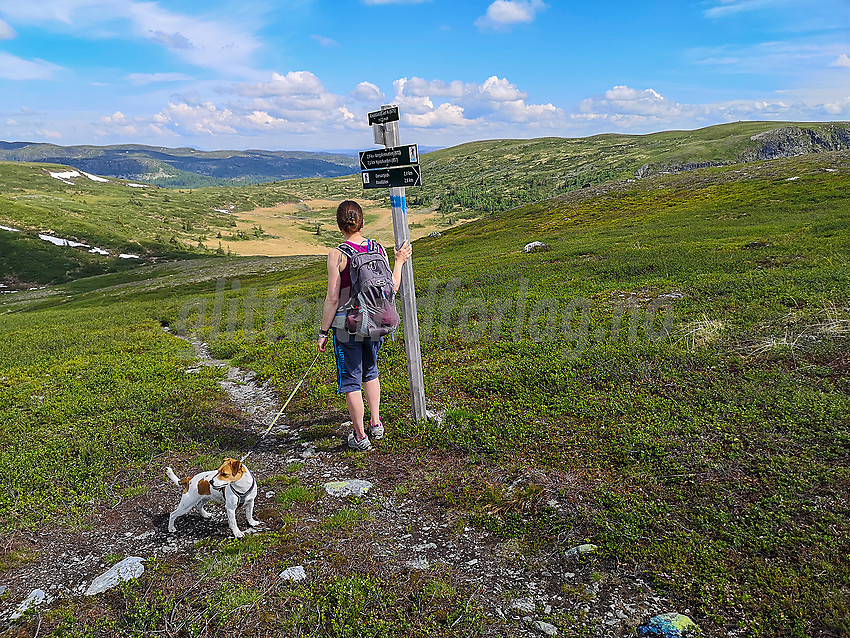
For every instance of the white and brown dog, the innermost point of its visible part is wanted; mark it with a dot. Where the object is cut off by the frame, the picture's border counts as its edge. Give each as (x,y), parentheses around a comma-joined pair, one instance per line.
(231,484)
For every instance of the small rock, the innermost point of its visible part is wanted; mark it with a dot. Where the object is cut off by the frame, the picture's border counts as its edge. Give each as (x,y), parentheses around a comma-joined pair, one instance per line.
(472,562)
(352,487)
(546,628)
(419,563)
(293,573)
(581,549)
(534,247)
(671,625)
(547,609)
(3,589)
(36,597)
(127,569)
(524,604)
(435,234)
(424,547)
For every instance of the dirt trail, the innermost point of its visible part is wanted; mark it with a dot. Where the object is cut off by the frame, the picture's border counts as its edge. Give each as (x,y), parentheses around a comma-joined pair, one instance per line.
(408,530)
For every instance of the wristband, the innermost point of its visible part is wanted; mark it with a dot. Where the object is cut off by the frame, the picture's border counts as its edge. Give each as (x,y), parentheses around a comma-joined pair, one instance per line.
(323,333)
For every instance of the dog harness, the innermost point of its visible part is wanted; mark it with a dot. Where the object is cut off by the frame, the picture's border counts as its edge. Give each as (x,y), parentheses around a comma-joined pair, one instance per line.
(242,495)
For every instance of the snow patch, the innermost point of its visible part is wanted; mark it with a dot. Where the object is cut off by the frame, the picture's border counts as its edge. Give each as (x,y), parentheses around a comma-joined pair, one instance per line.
(137,185)
(95,178)
(58,241)
(99,251)
(128,256)
(64,176)
(10,229)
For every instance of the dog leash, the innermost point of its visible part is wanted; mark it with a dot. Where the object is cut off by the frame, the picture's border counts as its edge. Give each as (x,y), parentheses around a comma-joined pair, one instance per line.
(291,394)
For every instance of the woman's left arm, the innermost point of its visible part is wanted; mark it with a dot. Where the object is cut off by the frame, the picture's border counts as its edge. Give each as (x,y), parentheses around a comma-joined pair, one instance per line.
(332,297)
(401,255)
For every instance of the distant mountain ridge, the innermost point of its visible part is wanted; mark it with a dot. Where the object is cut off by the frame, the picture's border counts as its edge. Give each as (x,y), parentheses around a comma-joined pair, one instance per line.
(184,167)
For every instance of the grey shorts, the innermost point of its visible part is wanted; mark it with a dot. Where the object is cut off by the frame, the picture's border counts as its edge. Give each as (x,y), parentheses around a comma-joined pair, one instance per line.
(356,361)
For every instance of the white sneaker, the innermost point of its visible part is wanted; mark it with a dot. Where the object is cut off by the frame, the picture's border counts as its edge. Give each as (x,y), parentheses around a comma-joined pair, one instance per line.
(376,431)
(362,445)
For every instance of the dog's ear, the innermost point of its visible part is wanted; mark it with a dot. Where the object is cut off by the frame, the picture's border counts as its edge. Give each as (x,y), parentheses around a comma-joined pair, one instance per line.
(235,467)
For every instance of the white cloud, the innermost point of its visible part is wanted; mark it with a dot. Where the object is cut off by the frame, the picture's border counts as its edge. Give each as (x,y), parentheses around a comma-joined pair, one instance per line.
(325,42)
(842,61)
(502,14)
(294,83)
(494,89)
(150,78)
(15,68)
(443,116)
(485,107)
(646,110)
(367,92)
(6,32)
(779,57)
(536,114)
(623,99)
(207,43)
(499,90)
(495,101)
(731,7)
(119,123)
(203,119)
(49,134)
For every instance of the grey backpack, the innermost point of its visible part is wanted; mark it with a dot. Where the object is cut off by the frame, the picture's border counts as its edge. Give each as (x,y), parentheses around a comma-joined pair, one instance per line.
(370,312)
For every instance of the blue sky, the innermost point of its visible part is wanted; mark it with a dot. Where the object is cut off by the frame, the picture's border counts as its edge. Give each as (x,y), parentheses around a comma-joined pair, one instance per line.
(302,74)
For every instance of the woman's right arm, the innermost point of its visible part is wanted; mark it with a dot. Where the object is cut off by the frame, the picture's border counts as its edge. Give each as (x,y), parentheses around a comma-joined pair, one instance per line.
(335,258)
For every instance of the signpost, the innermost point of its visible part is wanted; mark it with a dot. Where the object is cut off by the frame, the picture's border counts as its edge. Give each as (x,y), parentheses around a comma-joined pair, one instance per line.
(386,114)
(385,169)
(389,157)
(389,177)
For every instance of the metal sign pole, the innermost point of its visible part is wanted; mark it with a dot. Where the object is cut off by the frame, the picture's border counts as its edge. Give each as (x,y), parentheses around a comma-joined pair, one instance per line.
(401,231)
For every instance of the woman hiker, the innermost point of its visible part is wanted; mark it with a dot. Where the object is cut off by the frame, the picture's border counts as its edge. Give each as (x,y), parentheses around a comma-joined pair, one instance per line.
(356,357)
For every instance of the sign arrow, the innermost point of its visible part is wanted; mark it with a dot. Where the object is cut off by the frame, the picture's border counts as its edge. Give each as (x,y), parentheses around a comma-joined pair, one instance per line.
(393,177)
(389,157)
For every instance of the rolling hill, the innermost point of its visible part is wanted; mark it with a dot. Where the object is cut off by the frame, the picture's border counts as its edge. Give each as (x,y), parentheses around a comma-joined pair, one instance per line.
(461,183)
(183,167)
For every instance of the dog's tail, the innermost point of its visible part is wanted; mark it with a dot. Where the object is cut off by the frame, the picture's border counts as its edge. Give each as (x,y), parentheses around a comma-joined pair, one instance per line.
(171,475)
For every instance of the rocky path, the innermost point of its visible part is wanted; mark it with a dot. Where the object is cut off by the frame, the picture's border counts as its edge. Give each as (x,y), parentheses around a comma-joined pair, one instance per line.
(407,531)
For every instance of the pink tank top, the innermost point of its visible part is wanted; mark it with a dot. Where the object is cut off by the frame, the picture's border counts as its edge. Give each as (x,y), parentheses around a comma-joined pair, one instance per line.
(345,275)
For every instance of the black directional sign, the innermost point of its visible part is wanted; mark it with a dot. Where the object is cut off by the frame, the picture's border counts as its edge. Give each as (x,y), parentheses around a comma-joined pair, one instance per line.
(389,157)
(384,115)
(391,177)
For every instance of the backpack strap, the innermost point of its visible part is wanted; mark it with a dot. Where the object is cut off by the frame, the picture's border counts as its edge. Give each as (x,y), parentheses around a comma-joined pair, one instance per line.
(346,250)
(377,246)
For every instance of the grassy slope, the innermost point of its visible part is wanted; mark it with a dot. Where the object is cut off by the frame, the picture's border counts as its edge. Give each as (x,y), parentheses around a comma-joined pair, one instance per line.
(150,221)
(715,460)
(499,174)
